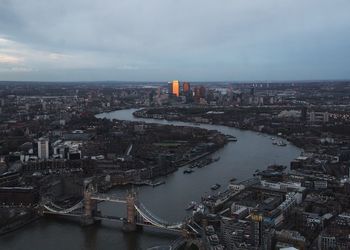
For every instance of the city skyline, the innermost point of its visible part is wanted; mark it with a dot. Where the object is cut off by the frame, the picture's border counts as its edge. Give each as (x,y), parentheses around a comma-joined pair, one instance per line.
(139,41)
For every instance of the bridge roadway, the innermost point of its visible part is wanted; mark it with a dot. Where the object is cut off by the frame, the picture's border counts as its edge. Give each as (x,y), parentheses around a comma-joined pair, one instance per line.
(111,218)
(16,206)
(97,217)
(105,197)
(63,214)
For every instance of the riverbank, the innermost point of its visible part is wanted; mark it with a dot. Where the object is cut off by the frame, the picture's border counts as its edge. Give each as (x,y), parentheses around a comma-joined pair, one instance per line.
(142,113)
(158,180)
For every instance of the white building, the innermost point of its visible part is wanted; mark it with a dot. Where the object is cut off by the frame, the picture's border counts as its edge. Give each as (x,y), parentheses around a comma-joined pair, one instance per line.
(43,148)
(318,117)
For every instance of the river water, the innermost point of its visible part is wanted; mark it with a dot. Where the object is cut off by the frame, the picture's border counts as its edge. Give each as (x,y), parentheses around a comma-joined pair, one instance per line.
(237,159)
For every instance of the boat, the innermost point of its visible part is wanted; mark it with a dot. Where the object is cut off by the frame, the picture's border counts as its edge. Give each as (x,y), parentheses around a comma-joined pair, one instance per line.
(233,179)
(215,187)
(216,159)
(191,206)
(281,143)
(231,138)
(188,171)
(158,183)
(276,167)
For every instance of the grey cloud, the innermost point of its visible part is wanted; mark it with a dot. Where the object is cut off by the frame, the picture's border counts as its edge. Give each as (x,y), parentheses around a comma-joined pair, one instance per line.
(165,39)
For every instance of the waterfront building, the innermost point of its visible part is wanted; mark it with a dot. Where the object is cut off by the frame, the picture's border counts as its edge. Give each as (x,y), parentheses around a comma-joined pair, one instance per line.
(19,196)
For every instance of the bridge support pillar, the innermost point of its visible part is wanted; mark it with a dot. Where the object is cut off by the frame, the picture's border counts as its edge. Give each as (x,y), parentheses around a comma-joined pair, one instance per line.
(130,223)
(87,221)
(128,227)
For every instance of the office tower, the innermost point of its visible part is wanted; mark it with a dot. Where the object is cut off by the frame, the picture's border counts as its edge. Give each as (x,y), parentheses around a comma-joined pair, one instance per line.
(175,88)
(186,88)
(43,148)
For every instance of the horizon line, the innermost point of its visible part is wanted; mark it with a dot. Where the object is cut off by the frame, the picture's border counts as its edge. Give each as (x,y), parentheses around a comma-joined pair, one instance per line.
(167,81)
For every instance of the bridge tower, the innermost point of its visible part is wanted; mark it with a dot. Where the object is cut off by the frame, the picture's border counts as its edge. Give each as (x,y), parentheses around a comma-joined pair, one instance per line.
(130,223)
(90,206)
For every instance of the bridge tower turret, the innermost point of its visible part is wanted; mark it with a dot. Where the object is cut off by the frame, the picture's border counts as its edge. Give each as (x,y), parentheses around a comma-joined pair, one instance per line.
(130,223)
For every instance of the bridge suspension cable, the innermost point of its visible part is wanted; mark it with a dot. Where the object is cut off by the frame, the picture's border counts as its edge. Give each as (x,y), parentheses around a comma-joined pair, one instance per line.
(152,215)
(60,210)
(148,216)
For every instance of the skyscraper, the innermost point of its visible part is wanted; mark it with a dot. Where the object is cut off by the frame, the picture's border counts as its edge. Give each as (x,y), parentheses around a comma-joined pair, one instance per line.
(199,92)
(186,88)
(43,148)
(175,88)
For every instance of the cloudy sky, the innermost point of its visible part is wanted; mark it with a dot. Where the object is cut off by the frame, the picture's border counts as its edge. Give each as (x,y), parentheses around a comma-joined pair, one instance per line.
(160,40)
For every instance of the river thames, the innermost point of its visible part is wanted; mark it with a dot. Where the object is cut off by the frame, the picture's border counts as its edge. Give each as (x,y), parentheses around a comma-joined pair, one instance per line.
(237,159)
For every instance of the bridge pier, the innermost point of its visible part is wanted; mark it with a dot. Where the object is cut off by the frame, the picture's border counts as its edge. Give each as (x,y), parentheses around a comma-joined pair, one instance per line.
(90,205)
(130,223)
(87,221)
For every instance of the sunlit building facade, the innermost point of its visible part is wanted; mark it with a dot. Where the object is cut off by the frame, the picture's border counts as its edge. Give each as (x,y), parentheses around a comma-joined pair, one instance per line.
(175,88)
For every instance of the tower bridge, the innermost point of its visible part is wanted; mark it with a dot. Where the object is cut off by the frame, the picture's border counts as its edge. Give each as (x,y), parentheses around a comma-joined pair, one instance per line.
(137,215)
